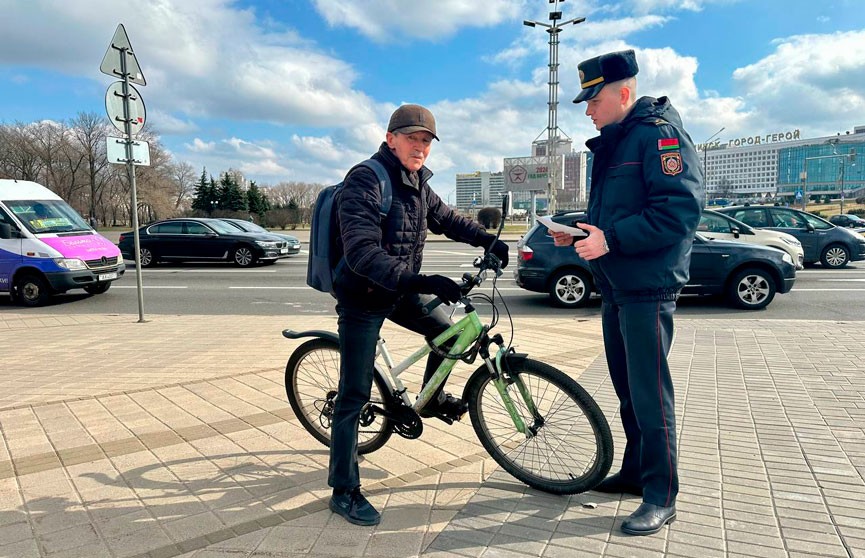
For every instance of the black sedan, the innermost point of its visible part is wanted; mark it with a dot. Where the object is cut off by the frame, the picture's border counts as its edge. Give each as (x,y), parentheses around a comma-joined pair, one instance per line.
(198,239)
(749,276)
(248,226)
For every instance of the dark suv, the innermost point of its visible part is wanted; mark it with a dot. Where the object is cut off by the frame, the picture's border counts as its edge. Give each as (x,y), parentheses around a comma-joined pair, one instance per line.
(833,247)
(748,275)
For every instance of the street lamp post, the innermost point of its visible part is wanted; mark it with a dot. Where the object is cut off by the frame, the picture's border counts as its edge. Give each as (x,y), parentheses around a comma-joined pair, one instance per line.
(706,156)
(553,28)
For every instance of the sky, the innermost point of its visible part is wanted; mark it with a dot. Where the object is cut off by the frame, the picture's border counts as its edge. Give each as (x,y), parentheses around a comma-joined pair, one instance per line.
(300,90)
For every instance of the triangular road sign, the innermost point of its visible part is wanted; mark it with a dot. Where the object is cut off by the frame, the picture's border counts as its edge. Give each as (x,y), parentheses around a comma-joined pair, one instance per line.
(111,63)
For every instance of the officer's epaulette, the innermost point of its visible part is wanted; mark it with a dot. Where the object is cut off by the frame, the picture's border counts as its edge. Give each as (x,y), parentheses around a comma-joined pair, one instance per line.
(654,121)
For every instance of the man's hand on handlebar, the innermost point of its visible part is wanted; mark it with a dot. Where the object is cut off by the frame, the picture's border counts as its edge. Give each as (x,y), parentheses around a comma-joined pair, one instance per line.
(439,285)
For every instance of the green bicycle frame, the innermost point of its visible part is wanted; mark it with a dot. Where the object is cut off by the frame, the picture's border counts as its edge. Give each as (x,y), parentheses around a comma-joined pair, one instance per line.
(466,331)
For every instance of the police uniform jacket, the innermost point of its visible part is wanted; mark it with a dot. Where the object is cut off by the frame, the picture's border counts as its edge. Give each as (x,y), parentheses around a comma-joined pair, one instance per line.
(647,196)
(378,251)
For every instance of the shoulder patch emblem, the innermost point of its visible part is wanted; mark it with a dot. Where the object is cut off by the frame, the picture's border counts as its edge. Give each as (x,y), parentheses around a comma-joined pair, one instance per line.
(671,163)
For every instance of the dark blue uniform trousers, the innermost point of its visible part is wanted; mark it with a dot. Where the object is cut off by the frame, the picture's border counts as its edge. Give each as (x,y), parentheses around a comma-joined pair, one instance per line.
(637,338)
(358,333)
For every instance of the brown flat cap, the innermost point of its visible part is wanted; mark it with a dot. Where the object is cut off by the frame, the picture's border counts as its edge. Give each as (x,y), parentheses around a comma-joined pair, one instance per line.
(412,118)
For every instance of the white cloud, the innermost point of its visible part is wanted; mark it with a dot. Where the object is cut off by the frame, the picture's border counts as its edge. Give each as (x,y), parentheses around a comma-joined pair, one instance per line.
(648,6)
(821,76)
(382,20)
(205,58)
(166,124)
(200,146)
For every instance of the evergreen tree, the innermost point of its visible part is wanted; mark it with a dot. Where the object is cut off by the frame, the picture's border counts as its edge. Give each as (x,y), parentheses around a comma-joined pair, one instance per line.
(231,197)
(257,200)
(205,194)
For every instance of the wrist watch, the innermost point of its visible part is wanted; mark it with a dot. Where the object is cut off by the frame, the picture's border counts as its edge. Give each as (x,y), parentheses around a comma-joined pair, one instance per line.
(606,247)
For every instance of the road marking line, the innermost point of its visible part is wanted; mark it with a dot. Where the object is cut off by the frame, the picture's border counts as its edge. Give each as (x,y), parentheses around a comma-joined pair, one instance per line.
(841,280)
(150,287)
(148,271)
(798,290)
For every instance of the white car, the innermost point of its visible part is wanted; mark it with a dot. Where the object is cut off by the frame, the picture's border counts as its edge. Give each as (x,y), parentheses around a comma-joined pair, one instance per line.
(718,226)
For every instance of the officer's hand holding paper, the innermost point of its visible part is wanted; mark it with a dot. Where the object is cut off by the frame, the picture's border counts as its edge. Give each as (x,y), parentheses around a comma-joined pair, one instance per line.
(563,235)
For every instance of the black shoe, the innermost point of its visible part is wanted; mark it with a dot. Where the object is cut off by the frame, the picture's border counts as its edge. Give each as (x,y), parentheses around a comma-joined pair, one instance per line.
(648,519)
(615,484)
(451,408)
(354,507)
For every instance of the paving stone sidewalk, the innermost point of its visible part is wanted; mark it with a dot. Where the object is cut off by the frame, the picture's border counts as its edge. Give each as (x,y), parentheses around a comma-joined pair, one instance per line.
(174,438)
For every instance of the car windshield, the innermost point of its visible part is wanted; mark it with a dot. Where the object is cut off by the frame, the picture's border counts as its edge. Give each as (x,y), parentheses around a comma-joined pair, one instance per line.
(817,222)
(249,226)
(221,227)
(47,216)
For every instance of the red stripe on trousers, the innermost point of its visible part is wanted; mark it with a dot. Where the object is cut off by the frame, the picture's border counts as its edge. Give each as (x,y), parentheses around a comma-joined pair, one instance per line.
(661,401)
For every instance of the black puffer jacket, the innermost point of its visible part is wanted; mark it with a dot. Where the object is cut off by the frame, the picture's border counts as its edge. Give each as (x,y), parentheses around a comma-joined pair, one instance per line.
(647,196)
(378,252)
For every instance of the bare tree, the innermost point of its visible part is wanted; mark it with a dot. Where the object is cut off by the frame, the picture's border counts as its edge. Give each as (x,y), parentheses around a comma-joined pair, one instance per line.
(62,162)
(183,179)
(89,131)
(18,157)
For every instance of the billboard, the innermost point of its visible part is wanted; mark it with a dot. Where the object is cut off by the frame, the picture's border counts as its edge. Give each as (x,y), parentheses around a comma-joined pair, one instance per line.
(525,174)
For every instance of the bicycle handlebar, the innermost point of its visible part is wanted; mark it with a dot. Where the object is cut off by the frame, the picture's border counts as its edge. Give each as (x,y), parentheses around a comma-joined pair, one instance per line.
(484,263)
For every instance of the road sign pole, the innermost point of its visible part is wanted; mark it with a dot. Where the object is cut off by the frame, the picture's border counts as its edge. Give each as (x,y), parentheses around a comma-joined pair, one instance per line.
(130,171)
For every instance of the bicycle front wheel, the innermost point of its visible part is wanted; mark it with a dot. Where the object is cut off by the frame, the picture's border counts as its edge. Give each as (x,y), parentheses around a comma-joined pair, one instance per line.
(570,449)
(311,383)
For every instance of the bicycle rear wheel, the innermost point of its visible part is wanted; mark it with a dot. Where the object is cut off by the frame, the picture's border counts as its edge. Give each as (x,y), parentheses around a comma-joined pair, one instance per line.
(311,382)
(572,448)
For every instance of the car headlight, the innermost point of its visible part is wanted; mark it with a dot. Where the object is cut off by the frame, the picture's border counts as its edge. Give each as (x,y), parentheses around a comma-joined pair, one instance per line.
(267,244)
(791,241)
(787,258)
(72,264)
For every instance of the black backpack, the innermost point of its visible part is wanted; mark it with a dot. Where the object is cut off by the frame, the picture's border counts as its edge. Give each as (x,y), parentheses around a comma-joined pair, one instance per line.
(323,245)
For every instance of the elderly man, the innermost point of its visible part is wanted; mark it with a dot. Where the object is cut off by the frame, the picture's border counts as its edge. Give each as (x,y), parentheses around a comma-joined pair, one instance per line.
(378,278)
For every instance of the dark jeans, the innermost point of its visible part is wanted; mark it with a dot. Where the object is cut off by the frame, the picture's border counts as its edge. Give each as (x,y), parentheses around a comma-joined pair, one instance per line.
(637,339)
(358,333)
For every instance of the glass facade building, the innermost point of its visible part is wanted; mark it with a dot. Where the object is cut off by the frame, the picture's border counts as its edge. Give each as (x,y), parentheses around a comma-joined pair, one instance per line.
(821,170)
(748,168)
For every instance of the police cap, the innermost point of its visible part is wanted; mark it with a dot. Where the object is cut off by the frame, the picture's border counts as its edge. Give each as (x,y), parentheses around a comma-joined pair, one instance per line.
(596,72)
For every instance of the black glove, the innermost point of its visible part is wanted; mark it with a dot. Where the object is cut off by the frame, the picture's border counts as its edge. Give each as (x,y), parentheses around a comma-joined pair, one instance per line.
(496,247)
(438,285)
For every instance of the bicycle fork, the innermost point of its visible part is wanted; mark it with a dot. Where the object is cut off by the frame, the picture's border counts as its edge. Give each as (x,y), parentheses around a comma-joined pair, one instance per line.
(502,377)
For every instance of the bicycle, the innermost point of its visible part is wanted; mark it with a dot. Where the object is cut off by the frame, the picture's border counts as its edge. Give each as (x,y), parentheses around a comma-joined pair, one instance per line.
(519,407)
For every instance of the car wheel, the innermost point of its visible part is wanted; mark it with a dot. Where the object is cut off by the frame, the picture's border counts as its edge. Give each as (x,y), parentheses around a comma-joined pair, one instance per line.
(32,290)
(570,288)
(97,288)
(751,289)
(243,256)
(148,258)
(835,256)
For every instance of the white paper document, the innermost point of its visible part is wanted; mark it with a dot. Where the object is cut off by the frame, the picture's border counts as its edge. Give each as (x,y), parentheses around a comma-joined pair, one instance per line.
(558,227)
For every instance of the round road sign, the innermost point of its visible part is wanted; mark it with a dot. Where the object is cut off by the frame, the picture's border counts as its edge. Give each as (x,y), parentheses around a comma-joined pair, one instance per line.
(114,107)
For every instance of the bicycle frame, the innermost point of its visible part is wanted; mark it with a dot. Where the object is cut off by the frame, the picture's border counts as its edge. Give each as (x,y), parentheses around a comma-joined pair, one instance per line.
(466,331)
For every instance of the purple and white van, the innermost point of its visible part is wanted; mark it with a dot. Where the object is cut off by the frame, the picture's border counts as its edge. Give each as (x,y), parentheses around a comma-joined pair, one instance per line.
(47,248)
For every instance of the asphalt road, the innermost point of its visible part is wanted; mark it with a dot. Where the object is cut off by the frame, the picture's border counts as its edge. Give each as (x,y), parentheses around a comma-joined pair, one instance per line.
(280,289)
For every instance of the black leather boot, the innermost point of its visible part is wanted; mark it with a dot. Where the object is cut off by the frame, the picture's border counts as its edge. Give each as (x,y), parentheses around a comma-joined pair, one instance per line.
(648,519)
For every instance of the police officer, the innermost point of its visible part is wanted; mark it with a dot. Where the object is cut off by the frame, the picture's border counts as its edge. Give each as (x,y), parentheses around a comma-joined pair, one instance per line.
(644,206)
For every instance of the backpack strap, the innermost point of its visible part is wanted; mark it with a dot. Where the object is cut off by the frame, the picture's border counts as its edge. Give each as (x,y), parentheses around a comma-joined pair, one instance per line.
(383,183)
